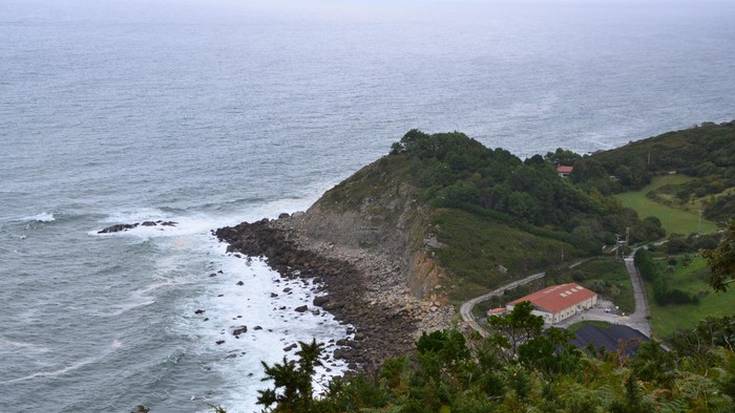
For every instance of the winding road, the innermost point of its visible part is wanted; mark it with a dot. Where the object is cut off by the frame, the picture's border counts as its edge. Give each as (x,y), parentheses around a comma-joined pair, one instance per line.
(466,309)
(637,320)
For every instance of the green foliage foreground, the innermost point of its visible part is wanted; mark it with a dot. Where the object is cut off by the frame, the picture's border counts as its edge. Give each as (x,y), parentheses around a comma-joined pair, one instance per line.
(523,369)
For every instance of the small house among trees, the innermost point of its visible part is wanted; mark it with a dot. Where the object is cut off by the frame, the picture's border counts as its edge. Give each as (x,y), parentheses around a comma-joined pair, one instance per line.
(564,170)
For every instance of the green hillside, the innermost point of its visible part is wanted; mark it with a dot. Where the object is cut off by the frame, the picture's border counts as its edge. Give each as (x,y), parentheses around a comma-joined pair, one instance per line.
(691,277)
(494,216)
(675,220)
(671,176)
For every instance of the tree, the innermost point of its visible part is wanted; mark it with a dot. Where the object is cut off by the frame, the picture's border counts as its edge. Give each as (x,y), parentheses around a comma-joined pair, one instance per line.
(515,328)
(551,353)
(293,390)
(562,157)
(722,260)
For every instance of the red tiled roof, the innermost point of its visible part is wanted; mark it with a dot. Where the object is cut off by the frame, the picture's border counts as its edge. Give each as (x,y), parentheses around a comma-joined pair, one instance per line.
(563,169)
(495,311)
(557,297)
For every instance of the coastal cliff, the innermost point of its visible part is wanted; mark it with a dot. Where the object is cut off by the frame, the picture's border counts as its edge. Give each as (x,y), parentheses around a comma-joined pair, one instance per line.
(369,255)
(438,220)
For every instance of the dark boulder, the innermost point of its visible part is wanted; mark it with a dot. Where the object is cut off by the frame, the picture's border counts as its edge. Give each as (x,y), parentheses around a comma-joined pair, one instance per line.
(236,331)
(320,301)
(301,308)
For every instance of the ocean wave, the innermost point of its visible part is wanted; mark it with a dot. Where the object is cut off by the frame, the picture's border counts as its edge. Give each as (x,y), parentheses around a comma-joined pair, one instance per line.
(141,298)
(42,217)
(7,344)
(72,367)
(228,305)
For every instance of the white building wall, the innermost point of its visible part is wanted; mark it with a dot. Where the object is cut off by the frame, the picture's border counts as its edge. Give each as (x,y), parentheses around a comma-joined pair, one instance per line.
(563,314)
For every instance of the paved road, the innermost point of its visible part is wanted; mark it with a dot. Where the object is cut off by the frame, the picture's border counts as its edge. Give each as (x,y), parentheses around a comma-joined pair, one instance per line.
(637,320)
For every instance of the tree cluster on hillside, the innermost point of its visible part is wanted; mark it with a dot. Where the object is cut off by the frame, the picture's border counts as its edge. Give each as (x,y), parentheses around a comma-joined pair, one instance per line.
(455,171)
(692,243)
(702,151)
(705,153)
(522,368)
(663,292)
(722,260)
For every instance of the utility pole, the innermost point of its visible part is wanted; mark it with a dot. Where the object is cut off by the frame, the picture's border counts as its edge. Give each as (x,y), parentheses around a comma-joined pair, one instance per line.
(699,224)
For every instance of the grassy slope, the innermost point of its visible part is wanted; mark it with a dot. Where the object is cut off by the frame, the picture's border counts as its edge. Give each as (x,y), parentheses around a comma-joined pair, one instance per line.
(476,246)
(674,220)
(692,278)
(611,273)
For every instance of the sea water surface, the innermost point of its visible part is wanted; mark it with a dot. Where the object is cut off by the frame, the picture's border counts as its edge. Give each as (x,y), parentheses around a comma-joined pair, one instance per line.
(210,113)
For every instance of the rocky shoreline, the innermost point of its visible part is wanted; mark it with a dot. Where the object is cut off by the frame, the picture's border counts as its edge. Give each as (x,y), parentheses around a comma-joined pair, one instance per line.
(355,288)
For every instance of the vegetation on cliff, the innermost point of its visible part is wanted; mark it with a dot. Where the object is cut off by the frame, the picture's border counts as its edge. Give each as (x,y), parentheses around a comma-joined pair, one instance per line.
(486,215)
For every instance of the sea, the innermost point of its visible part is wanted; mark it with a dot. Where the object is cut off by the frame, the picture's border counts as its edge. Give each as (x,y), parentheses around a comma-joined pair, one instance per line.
(210,112)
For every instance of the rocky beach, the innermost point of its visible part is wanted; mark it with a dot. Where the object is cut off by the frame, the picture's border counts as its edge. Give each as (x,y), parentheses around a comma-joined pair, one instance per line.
(358,286)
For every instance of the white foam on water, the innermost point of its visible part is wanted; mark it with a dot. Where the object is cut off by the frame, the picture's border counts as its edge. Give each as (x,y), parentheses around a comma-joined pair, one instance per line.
(238,359)
(42,217)
(12,345)
(195,223)
(66,369)
(190,244)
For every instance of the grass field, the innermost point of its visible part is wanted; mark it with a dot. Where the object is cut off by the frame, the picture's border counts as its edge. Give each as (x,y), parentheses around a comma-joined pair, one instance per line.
(674,220)
(692,278)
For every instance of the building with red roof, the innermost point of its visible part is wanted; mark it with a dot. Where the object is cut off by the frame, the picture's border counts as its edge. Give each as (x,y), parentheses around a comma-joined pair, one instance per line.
(564,170)
(495,311)
(558,302)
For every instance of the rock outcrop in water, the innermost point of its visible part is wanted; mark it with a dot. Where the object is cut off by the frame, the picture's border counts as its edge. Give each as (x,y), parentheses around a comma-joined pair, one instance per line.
(125,227)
